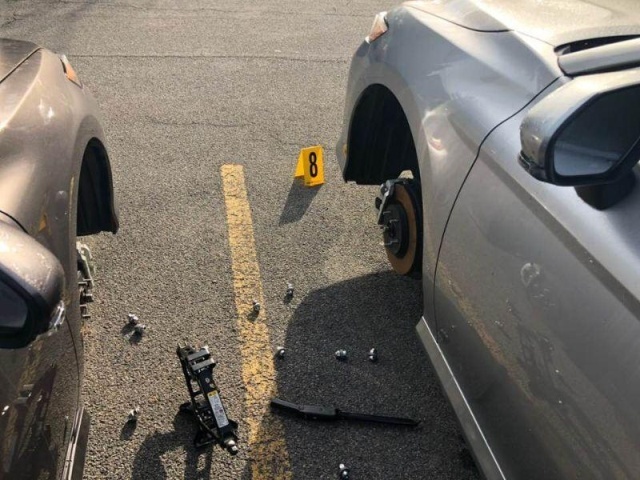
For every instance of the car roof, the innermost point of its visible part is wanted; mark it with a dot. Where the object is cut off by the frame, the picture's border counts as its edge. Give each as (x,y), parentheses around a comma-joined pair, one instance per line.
(12,54)
(556,22)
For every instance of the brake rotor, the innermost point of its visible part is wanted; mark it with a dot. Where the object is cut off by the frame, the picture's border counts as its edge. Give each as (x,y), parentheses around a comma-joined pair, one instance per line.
(402,229)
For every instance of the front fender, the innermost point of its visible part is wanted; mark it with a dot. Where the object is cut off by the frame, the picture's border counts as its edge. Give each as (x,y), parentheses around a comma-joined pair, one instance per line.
(455,86)
(48,122)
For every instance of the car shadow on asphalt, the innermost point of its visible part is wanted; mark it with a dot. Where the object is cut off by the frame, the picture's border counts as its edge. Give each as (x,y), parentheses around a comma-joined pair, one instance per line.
(298,201)
(379,311)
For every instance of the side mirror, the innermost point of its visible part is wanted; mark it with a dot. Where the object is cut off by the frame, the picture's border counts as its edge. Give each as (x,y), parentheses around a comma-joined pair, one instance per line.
(31,286)
(586,134)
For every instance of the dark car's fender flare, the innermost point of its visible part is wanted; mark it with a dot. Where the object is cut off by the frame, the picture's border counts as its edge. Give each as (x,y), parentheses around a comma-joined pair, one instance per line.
(93,192)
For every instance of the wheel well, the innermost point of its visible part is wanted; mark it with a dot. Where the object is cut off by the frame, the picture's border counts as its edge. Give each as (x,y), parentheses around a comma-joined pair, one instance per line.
(380,145)
(95,192)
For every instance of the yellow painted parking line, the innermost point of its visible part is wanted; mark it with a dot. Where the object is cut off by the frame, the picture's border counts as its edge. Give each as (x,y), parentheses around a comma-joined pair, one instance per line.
(268,451)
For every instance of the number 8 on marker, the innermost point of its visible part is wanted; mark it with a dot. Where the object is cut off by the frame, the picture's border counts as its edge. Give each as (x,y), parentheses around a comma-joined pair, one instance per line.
(313,166)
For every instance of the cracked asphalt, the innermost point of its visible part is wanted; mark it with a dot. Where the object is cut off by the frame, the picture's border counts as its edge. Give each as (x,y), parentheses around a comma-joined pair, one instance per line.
(185,88)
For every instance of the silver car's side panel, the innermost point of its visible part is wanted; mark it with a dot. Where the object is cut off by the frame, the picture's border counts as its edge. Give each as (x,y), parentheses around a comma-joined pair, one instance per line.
(453,94)
(537,303)
(481,449)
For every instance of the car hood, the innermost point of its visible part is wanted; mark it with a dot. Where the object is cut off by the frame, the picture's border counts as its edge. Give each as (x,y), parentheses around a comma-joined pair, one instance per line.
(556,22)
(12,54)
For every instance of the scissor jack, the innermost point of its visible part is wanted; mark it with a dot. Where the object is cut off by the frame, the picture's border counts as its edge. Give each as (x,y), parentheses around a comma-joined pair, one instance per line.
(206,405)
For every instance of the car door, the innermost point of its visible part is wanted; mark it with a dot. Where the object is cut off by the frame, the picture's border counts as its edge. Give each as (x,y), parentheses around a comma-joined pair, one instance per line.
(538,316)
(39,393)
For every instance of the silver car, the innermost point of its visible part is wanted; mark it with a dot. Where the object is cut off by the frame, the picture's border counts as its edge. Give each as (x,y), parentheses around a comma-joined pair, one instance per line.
(505,136)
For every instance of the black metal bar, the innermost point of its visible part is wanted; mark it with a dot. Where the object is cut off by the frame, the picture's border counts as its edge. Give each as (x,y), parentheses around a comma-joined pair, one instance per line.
(312,412)
(363,417)
(329,413)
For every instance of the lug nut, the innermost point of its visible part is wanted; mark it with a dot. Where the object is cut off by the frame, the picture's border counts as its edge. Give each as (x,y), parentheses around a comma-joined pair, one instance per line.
(341,355)
(344,472)
(133,319)
(87,297)
(372,355)
(133,415)
(280,352)
(256,307)
(139,329)
(290,290)
(232,447)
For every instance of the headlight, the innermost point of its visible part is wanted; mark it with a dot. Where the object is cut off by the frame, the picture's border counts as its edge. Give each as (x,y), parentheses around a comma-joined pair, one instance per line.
(378,28)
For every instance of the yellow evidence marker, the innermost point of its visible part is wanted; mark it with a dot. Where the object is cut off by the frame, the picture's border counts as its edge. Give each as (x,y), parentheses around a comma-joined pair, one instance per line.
(310,166)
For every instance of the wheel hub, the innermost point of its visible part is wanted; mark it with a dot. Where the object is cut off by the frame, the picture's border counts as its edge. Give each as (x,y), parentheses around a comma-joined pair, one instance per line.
(395,229)
(401,222)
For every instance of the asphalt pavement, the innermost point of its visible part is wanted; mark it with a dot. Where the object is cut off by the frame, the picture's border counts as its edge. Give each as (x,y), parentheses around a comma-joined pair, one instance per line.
(185,88)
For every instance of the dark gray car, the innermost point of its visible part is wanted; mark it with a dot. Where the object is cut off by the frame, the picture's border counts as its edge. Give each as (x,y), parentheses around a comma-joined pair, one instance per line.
(507,136)
(55,185)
